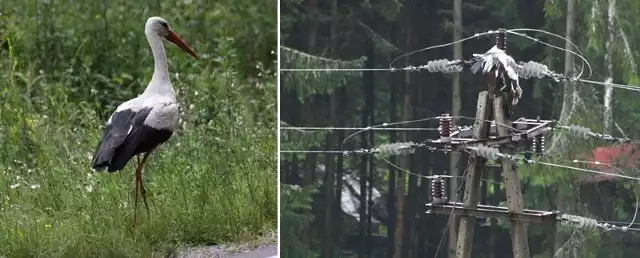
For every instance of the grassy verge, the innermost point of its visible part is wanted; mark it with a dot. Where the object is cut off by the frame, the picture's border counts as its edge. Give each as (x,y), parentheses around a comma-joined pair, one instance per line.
(214,181)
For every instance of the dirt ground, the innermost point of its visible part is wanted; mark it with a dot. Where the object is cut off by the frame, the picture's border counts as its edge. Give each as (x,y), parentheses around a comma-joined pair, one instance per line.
(265,247)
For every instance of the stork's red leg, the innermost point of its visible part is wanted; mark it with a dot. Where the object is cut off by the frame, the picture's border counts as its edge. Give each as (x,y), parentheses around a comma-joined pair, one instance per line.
(135,201)
(140,186)
(143,191)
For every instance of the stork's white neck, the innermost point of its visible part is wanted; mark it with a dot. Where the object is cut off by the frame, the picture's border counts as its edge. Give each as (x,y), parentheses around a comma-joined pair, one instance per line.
(160,82)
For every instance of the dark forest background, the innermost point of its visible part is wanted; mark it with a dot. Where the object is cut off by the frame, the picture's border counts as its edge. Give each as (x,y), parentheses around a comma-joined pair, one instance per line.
(321,215)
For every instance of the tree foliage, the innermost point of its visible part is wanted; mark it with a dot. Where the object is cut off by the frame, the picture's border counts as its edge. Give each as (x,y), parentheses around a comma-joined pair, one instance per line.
(295,212)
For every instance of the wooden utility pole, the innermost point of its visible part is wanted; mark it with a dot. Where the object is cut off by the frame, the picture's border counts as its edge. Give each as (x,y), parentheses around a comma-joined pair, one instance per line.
(472,185)
(501,112)
(454,166)
(520,245)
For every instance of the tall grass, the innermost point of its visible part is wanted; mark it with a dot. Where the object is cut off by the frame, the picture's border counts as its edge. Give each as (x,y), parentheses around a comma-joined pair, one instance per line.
(213,181)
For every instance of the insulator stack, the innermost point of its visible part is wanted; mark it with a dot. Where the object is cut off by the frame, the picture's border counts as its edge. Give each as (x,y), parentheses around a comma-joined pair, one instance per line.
(501,39)
(534,145)
(540,149)
(437,191)
(538,144)
(445,127)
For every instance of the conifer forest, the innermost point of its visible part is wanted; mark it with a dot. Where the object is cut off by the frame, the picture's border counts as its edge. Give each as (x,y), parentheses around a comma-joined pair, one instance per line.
(348,191)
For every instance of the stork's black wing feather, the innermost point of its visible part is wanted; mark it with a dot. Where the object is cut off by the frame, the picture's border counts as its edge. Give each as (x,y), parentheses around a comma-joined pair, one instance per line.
(112,152)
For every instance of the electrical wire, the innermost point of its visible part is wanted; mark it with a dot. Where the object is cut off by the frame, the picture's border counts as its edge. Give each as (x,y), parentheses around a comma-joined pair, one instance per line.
(450,219)
(430,177)
(579,54)
(586,170)
(494,154)
(616,222)
(623,174)
(614,85)
(385,125)
(573,234)
(420,120)
(446,231)
(357,128)
(314,151)
(511,31)
(340,69)
(477,35)
(635,186)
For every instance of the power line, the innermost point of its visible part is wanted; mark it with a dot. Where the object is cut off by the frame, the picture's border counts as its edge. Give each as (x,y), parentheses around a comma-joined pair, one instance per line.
(450,219)
(616,222)
(413,68)
(481,152)
(441,65)
(302,128)
(338,69)
(584,60)
(477,35)
(586,170)
(614,85)
(388,124)
(635,188)
(315,151)
(582,221)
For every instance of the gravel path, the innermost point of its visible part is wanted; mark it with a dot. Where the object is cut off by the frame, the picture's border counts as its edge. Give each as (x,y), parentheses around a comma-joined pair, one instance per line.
(267,251)
(262,248)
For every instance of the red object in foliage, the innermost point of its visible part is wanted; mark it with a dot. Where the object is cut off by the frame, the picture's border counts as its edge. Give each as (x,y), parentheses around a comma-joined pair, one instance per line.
(623,156)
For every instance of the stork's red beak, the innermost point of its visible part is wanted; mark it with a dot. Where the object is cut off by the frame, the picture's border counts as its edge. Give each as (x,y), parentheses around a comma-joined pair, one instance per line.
(175,39)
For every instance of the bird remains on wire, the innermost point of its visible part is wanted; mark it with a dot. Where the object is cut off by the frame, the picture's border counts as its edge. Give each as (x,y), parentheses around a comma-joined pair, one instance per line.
(140,125)
(506,71)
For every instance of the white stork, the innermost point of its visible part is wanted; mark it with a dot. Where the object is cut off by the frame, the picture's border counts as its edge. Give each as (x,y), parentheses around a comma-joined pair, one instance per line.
(141,124)
(506,70)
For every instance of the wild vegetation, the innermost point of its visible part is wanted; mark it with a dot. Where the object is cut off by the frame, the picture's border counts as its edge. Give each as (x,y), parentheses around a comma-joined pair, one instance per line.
(66,65)
(325,215)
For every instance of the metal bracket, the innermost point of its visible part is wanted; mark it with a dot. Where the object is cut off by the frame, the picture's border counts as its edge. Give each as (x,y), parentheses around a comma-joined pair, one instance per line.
(488,211)
(530,128)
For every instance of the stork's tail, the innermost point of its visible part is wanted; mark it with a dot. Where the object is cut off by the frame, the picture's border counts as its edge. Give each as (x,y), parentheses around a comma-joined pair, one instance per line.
(102,158)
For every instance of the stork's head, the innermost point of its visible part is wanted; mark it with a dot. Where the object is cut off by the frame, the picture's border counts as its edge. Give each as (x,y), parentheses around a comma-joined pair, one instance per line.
(159,26)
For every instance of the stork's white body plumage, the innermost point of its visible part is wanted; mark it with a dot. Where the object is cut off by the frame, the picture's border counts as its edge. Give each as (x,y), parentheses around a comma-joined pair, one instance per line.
(159,94)
(164,111)
(139,125)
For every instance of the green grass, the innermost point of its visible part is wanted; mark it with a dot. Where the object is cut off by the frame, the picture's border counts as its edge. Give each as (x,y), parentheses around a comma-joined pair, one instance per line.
(214,181)
(66,65)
